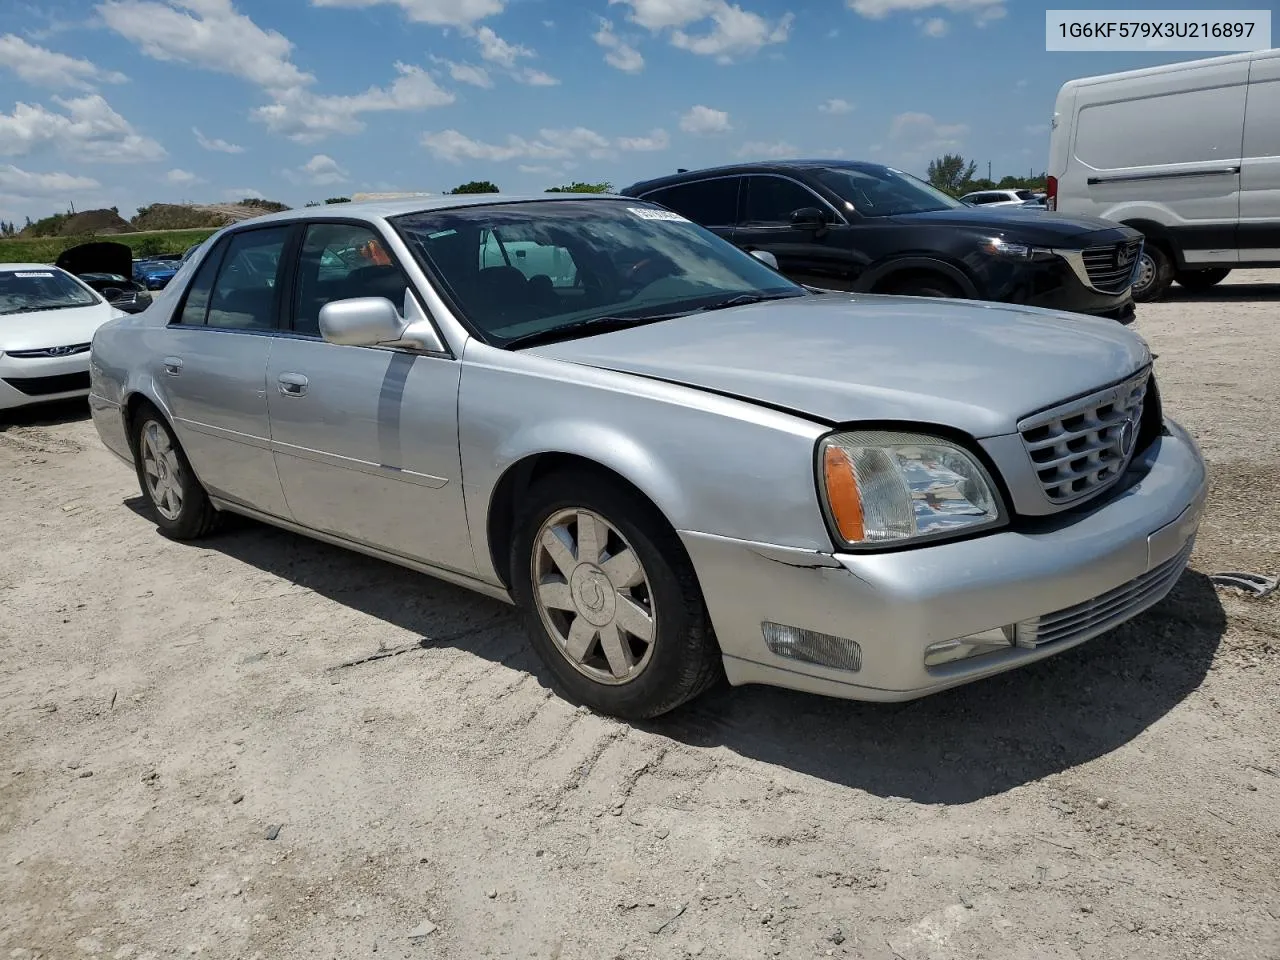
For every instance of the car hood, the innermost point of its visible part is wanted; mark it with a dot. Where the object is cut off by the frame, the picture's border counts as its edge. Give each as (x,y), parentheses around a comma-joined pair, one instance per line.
(1036,226)
(839,358)
(53,328)
(101,256)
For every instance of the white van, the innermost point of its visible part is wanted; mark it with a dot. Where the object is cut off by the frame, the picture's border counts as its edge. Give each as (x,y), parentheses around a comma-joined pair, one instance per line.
(1187,153)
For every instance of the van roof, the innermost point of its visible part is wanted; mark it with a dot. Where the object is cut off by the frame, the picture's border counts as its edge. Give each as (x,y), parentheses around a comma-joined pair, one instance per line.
(1172,68)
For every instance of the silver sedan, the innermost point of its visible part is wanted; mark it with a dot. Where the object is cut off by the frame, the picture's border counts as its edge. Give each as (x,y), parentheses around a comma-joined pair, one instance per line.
(678,463)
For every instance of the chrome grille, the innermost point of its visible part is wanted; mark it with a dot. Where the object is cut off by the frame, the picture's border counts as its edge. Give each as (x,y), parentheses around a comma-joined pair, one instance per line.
(45,352)
(1081,447)
(1112,268)
(1103,612)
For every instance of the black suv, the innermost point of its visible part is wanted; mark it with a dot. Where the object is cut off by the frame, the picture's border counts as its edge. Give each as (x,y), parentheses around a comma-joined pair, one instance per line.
(838,225)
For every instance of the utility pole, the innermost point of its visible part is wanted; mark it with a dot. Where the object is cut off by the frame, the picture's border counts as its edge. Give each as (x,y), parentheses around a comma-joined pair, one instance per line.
(988,169)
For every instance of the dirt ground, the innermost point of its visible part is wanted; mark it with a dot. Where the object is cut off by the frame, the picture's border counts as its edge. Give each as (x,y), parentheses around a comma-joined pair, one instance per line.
(164,708)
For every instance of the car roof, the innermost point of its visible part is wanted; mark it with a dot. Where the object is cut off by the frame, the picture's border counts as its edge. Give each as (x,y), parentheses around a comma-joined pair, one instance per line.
(399,206)
(23,267)
(757,166)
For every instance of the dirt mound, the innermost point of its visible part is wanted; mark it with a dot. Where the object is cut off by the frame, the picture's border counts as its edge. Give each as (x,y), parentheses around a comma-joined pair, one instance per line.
(94,222)
(194,216)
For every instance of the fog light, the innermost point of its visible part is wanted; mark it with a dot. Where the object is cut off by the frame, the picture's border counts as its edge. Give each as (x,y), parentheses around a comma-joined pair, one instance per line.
(965,648)
(809,646)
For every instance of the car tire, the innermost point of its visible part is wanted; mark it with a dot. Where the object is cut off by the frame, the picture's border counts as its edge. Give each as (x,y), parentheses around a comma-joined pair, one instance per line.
(1198,281)
(178,502)
(924,285)
(1155,274)
(617,614)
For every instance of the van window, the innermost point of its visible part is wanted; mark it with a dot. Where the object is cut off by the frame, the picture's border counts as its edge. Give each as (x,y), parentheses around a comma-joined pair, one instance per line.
(1191,126)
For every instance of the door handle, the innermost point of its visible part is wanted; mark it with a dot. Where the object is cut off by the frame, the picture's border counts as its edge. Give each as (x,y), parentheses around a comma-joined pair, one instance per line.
(172,365)
(293,385)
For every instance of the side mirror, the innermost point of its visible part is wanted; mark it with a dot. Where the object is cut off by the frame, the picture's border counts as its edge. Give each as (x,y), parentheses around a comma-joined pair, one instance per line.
(809,218)
(765,257)
(361,322)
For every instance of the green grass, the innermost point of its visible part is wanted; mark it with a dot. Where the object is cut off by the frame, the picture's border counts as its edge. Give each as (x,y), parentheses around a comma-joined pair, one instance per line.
(46,249)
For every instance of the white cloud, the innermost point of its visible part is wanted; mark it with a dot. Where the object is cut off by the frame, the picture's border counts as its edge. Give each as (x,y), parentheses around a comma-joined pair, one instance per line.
(835,106)
(46,68)
(440,13)
(733,32)
(87,129)
(216,144)
(618,54)
(935,27)
(656,140)
(550,144)
(535,78)
(702,120)
(917,138)
(1021,84)
(496,50)
(307,117)
(182,178)
(772,149)
(320,171)
(466,72)
(220,39)
(26,183)
(982,10)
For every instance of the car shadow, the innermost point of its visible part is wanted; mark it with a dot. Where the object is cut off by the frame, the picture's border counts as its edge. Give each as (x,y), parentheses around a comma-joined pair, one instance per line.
(48,414)
(1225,293)
(950,748)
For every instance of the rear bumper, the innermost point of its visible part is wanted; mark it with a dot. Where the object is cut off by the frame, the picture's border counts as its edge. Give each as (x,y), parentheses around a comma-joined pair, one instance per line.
(1090,571)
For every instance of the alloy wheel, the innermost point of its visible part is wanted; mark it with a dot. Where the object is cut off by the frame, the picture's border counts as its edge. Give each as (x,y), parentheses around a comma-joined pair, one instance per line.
(1146,273)
(161,470)
(593,596)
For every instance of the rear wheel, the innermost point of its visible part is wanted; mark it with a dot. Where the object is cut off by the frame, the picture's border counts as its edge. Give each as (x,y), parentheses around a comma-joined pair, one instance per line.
(181,507)
(610,598)
(1155,274)
(1199,280)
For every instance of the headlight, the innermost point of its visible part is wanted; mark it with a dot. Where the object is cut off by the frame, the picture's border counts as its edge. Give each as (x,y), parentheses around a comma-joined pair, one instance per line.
(999,247)
(882,488)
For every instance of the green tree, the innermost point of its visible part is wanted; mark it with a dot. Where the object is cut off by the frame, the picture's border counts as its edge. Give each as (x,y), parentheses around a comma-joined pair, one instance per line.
(338,200)
(950,172)
(476,186)
(603,186)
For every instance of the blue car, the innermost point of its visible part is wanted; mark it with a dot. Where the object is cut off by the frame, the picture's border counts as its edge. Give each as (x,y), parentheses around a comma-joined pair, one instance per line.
(154,274)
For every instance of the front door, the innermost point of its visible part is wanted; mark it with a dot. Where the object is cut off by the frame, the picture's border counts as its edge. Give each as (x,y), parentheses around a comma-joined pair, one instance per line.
(1260,167)
(820,257)
(213,365)
(365,438)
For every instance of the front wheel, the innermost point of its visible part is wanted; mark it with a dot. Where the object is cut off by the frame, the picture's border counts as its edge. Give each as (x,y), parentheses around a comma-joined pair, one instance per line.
(181,507)
(610,598)
(925,285)
(1198,281)
(1155,274)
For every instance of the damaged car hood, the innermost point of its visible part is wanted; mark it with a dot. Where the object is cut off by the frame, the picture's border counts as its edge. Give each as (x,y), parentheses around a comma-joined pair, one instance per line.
(974,366)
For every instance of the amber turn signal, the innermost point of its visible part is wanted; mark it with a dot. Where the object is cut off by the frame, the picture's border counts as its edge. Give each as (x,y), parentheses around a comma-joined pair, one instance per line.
(843,496)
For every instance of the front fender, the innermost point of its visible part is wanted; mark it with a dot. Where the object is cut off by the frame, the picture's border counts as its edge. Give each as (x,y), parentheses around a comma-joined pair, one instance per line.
(875,274)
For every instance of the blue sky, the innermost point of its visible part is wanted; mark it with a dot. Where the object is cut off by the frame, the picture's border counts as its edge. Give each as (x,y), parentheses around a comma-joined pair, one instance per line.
(127,102)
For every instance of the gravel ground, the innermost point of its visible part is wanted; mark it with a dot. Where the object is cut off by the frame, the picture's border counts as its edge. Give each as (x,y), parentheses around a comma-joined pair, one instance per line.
(167,709)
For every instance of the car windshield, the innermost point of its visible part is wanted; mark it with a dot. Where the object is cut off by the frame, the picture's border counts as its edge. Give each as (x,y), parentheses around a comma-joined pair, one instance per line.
(884,192)
(524,270)
(26,291)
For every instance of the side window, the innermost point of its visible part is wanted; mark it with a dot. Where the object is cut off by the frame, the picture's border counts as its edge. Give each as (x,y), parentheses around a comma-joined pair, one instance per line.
(196,306)
(244,295)
(341,261)
(772,200)
(711,203)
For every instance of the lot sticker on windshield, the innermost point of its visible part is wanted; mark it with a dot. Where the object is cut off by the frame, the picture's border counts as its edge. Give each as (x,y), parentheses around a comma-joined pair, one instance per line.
(28,273)
(647,213)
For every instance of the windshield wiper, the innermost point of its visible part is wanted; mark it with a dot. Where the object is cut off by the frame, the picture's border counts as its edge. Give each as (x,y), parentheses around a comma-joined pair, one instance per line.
(742,299)
(586,327)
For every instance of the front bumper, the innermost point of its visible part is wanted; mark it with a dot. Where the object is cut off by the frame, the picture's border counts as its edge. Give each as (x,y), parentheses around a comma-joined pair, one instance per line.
(25,381)
(895,604)
(1057,283)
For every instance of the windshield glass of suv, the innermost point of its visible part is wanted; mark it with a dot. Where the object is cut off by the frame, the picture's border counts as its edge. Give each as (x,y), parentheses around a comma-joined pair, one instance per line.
(520,269)
(25,291)
(885,192)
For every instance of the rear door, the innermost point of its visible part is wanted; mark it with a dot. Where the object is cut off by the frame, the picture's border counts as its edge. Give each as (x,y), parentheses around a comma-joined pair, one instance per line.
(820,257)
(1260,165)
(365,438)
(711,203)
(213,362)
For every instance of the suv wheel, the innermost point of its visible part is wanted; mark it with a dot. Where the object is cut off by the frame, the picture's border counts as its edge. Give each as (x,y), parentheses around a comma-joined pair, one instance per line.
(1155,274)
(610,598)
(924,285)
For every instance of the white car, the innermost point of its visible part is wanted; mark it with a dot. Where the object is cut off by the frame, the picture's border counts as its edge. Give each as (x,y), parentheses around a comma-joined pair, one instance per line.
(47,321)
(999,198)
